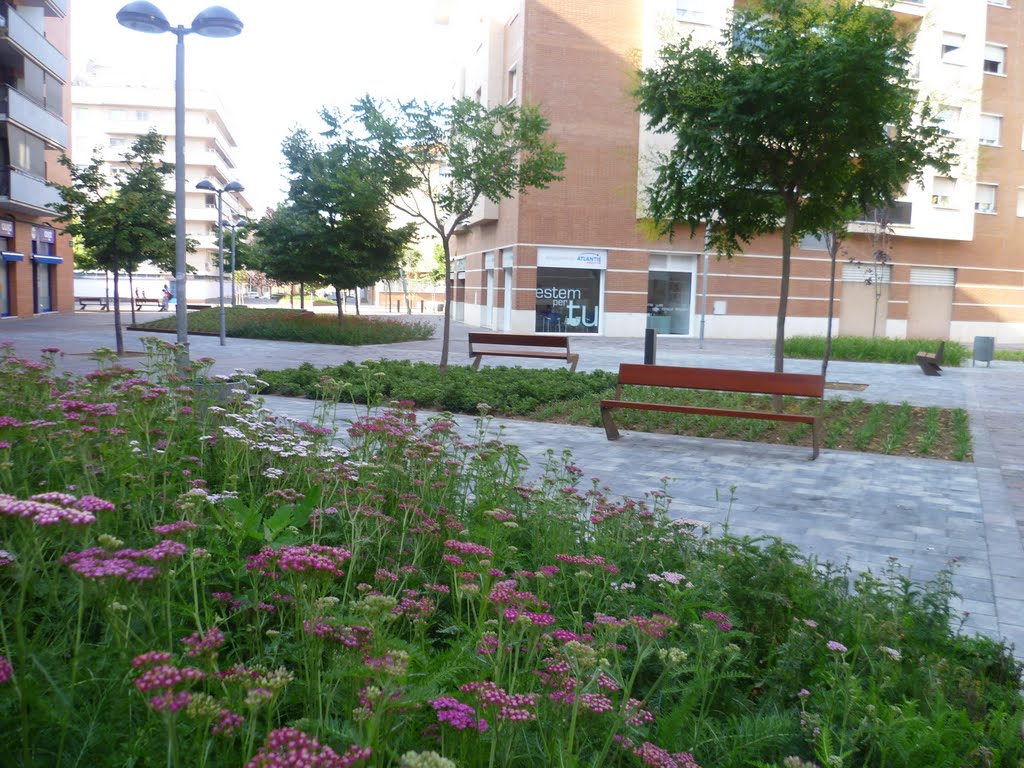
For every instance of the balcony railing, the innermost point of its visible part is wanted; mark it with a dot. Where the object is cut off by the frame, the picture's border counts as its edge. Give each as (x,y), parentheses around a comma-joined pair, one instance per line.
(26,193)
(34,118)
(30,42)
(899,212)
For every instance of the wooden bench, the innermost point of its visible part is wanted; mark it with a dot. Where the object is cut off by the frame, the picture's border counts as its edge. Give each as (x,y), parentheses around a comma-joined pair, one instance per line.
(931,362)
(139,303)
(718,380)
(521,345)
(100,301)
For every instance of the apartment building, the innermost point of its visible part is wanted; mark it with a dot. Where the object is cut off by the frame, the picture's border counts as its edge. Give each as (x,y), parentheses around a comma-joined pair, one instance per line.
(108,117)
(576,257)
(35,257)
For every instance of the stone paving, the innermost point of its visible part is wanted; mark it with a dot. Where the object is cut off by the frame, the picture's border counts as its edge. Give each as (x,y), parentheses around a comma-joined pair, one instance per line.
(847,507)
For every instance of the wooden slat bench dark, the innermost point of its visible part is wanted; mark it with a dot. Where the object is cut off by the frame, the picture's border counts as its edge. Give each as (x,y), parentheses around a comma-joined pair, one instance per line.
(140,303)
(931,362)
(718,380)
(521,345)
(99,301)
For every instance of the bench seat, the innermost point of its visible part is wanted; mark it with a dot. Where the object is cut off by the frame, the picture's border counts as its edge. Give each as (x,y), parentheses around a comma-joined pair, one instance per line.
(931,362)
(521,345)
(719,380)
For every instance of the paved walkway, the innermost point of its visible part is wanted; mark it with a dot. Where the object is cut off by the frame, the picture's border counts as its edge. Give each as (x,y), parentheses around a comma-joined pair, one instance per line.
(861,509)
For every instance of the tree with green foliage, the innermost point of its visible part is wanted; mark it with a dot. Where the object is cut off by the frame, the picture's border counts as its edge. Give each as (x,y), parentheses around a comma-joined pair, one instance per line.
(123,221)
(337,216)
(804,115)
(486,153)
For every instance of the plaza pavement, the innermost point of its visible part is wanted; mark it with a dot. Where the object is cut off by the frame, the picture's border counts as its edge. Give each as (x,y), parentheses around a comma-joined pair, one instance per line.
(847,507)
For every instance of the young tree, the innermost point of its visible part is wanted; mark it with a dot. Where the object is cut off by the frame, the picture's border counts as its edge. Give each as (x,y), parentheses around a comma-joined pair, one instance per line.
(124,221)
(804,111)
(486,153)
(337,205)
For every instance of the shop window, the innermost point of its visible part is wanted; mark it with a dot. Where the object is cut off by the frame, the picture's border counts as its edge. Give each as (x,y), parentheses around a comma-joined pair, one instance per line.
(568,300)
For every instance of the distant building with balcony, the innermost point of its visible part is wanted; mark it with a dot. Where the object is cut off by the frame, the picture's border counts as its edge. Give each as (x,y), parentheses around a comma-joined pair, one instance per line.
(576,258)
(35,257)
(107,118)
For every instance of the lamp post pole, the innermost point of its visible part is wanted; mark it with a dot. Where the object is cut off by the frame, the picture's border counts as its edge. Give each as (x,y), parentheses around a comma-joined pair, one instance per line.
(231,186)
(234,238)
(215,21)
(180,259)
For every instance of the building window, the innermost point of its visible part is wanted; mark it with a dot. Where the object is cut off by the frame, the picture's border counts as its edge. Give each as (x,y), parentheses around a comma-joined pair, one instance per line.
(117,114)
(949,119)
(991,130)
(117,141)
(142,116)
(691,11)
(995,59)
(985,198)
(568,300)
(953,47)
(943,189)
(513,84)
(1001,3)
(814,242)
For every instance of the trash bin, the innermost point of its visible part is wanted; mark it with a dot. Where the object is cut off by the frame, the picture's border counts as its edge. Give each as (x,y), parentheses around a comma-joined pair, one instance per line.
(984,350)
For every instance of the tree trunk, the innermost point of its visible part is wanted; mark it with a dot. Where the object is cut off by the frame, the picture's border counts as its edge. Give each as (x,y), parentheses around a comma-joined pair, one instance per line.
(833,252)
(131,293)
(357,301)
(446,331)
(118,334)
(780,320)
(337,303)
(405,290)
(302,294)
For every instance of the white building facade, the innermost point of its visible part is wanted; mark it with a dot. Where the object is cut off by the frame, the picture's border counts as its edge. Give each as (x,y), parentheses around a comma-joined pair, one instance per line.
(108,118)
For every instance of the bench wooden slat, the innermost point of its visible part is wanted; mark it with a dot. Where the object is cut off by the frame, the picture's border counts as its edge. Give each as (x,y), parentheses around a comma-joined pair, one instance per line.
(520,345)
(723,380)
(719,380)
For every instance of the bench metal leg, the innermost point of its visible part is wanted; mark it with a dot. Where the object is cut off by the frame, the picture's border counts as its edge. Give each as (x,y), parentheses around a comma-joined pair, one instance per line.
(928,366)
(610,430)
(815,438)
(476,362)
(573,359)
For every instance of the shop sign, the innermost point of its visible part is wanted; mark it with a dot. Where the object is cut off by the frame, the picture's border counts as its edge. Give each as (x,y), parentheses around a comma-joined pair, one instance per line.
(572,258)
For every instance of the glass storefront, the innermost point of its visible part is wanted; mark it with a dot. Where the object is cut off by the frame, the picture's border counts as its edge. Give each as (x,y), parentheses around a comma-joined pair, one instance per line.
(668,301)
(5,291)
(568,300)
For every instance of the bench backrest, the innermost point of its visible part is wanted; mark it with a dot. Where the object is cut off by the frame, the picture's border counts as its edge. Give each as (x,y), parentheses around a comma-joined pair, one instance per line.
(518,340)
(723,379)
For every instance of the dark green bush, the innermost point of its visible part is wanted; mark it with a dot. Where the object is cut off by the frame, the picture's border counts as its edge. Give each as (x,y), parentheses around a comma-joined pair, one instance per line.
(877,350)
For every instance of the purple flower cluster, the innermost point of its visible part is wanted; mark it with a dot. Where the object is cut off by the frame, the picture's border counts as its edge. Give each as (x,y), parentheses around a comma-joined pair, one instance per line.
(172,529)
(537,619)
(199,644)
(594,560)
(291,748)
(468,548)
(52,508)
(349,636)
(653,626)
(165,677)
(720,619)
(838,647)
(310,558)
(227,722)
(458,715)
(97,563)
(6,670)
(516,707)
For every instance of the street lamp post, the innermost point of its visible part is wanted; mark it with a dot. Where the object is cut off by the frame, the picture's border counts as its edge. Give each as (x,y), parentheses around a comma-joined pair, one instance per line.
(215,21)
(234,234)
(231,186)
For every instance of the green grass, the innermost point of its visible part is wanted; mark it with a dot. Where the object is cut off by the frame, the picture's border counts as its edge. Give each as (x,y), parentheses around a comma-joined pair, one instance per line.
(1012,355)
(877,350)
(555,395)
(297,325)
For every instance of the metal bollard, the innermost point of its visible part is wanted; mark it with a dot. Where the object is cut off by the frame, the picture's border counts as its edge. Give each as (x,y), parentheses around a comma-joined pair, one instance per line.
(650,346)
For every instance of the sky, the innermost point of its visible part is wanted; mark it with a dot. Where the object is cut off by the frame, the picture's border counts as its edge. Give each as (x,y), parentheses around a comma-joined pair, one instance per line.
(291,59)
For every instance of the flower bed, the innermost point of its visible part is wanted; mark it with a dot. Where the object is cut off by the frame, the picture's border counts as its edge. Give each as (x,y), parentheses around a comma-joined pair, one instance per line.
(213,587)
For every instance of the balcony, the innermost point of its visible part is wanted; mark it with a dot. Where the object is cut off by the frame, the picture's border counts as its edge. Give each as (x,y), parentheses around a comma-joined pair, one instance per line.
(26,40)
(899,213)
(25,194)
(26,114)
(52,7)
